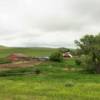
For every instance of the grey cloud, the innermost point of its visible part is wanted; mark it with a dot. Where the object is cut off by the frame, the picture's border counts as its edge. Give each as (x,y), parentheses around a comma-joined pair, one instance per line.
(89,8)
(47,22)
(79,15)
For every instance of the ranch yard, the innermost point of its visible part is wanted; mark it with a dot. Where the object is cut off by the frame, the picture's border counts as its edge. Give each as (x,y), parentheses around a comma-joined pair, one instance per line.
(47,80)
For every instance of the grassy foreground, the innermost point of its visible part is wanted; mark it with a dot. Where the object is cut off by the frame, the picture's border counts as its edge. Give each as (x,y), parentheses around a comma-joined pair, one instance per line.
(53,83)
(56,81)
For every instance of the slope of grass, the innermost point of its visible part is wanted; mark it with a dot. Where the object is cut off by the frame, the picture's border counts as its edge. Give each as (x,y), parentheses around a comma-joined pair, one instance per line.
(53,83)
(27,51)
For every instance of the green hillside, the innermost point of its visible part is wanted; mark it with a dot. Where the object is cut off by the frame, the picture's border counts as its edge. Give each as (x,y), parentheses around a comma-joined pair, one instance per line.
(27,51)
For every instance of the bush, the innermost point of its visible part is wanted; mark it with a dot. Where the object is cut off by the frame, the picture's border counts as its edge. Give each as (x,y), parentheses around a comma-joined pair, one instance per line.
(56,56)
(86,62)
(69,84)
(78,61)
(37,71)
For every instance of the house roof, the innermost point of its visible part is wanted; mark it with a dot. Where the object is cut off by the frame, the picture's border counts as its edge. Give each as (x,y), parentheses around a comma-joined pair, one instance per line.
(18,55)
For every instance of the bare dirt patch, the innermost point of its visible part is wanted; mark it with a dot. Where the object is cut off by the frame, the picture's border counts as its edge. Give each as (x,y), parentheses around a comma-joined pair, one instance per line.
(20,64)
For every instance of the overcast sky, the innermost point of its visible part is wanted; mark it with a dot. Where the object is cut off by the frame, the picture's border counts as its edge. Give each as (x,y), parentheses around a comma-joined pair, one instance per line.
(47,23)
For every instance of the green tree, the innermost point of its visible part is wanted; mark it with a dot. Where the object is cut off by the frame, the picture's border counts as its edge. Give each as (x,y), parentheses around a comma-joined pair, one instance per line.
(63,50)
(56,56)
(89,45)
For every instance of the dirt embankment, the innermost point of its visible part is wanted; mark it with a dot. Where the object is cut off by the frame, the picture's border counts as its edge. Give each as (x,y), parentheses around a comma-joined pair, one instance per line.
(20,64)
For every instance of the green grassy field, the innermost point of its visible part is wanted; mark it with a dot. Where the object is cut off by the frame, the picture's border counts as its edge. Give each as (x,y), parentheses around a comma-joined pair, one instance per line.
(27,51)
(56,81)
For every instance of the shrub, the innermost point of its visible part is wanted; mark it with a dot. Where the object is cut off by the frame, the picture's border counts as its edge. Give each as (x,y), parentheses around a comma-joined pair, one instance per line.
(37,71)
(56,56)
(69,84)
(78,61)
(86,62)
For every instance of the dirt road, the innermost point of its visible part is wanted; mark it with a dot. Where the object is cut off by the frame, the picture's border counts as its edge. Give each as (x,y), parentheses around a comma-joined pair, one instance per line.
(20,64)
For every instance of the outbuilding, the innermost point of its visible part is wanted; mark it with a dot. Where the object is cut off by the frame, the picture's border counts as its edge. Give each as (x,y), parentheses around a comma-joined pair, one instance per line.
(18,57)
(67,55)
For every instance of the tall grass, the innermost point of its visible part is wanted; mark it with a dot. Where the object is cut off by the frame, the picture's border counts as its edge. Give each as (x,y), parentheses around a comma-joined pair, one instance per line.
(52,83)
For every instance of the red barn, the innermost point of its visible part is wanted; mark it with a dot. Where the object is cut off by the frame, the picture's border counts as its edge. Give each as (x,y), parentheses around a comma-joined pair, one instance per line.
(18,57)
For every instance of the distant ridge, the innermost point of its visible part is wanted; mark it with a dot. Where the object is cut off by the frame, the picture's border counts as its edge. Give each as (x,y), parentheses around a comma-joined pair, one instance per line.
(2,46)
